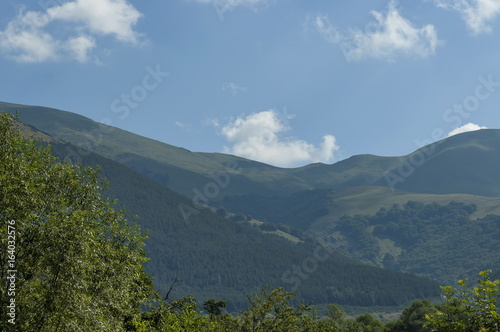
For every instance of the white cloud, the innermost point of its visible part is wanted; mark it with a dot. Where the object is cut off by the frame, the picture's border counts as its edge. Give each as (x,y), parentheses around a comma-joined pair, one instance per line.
(81,47)
(223,6)
(234,88)
(466,128)
(477,14)
(185,126)
(230,4)
(28,45)
(27,38)
(258,137)
(327,30)
(388,36)
(106,17)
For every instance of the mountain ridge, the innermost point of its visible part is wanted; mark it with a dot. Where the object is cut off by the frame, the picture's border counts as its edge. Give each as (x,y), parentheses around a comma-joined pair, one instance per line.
(215,257)
(184,171)
(457,174)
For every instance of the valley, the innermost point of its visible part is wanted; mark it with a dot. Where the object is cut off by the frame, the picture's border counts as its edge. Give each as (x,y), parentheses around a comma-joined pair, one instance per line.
(214,218)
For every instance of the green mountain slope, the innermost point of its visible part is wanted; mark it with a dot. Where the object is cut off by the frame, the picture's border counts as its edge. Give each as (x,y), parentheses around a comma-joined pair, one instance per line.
(217,258)
(317,210)
(175,167)
(465,163)
(323,199)
(359,170)
(442,242)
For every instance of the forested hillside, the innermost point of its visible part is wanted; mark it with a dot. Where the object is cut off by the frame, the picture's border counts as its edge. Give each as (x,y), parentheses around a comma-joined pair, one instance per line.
(215,257)
(75,263)
(442,242)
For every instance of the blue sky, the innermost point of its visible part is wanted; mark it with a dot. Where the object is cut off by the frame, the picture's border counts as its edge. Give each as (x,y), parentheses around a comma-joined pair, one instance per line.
(286,82)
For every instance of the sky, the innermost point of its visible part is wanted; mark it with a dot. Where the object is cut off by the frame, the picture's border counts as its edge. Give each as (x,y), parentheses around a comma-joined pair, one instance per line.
(285,82)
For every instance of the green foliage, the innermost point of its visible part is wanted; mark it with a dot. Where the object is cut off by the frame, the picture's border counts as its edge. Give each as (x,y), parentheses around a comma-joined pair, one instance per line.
(268,311)
(272,312)
(213,307)
(469,309)
(79,262)
(413,318)
(211,255)
(369,323)
(437,241)
(298,209)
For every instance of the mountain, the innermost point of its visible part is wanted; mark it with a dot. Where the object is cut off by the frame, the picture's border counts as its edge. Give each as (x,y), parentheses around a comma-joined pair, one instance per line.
(215,257)
(442,242)
(319,209)
(467,163)
(320,199)
(462,164)
(175,167)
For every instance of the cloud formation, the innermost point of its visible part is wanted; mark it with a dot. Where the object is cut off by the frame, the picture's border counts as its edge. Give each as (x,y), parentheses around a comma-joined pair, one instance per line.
(327,30)
(389,36)
(466,128)
(477,14)
(185,126)
(258,137)
(27,38)
(223,6)
(234,88)
(230,4)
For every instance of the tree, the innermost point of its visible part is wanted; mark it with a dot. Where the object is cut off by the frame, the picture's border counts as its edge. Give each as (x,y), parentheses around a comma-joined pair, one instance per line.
(413,318)
(78,261)
(213,307)
(369,323)
(469,309)
(273,312)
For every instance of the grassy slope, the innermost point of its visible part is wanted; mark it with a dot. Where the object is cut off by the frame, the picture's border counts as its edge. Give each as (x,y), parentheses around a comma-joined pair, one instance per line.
(359,170)
(368,200)
(215,257)
(465,163)
(462,168)
(176,167)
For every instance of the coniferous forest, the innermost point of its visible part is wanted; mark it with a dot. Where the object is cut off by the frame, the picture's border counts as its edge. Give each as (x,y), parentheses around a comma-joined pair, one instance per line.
(75,260)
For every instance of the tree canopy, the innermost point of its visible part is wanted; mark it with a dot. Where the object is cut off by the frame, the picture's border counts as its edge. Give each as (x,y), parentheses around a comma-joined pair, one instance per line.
(75,262)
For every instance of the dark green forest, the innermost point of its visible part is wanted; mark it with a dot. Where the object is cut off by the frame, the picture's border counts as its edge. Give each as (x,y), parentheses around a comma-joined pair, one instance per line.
(298,209)
(440,242)
(75,260)
(216,257)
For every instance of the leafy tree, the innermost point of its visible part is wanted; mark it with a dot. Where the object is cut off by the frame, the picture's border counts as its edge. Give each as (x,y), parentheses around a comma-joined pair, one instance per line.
(469,309)
(213,307)
(413,318)
(369,323)
(336,317)
(78,261)
(337,320)
(272,312)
